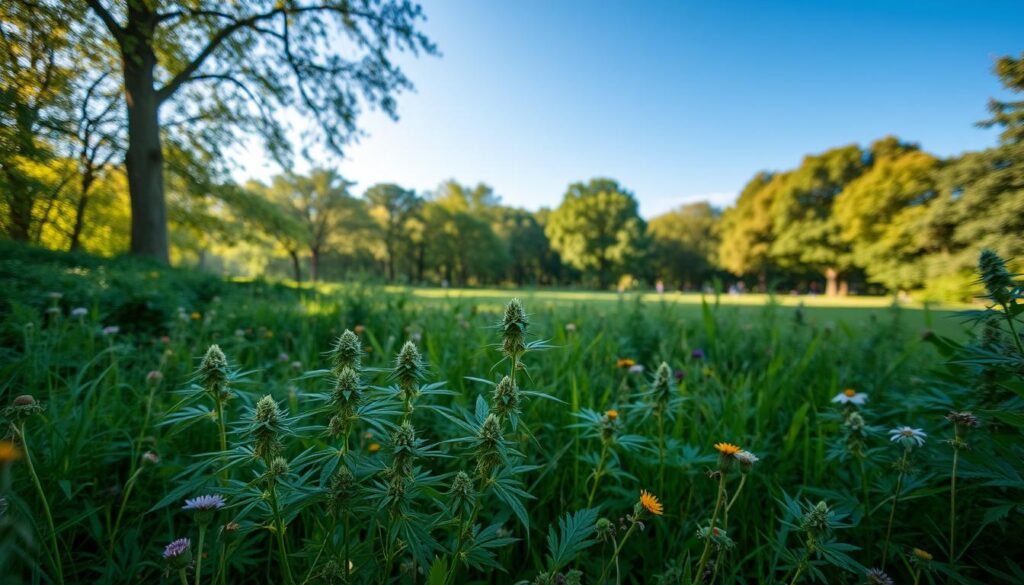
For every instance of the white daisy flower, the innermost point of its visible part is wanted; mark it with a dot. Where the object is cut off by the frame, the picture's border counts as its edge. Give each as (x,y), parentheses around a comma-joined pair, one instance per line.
(851,396)
(907,436)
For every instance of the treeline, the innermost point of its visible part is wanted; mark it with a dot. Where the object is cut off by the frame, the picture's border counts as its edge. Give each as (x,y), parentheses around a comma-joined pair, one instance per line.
(887,216)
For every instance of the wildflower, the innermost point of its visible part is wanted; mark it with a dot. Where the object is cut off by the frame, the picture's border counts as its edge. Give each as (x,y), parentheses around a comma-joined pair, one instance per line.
(680,375)
(53,310)
(878,577)
(164,339)
(726,455)
(9,452)
(347,352)
(22,407)
(612,414)
(374,447)
(196,315)
(79,312)
(204,507)
(570,327)
(650,503)
(923,554)
(907,436)
(850,396)
(282,357)
(415,337)
(54,296)
(963,419)
(359,329)
(154,376)
(746,460)
(229,532)
(111,330)
(636,369)
(625,363)
(178,554)
(239,333)
(150,458)
(296,365)
(697,354)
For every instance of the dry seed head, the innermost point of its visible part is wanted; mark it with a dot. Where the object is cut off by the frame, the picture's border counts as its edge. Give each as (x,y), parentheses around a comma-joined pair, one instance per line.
(347,352)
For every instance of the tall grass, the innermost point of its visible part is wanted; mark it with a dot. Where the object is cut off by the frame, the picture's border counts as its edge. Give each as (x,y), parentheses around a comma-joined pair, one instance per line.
(453,474)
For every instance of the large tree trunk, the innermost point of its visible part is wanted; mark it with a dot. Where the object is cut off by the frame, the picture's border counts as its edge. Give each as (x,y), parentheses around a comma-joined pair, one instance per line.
(144,161)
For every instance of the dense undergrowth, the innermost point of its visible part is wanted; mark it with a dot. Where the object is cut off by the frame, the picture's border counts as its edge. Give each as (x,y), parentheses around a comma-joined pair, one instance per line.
(365,438)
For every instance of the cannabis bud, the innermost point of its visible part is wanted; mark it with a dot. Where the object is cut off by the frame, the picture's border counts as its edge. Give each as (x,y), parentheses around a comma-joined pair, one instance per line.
(513,329)
(213,371)
(997,279)
(347,353)
(506,398)
(266,428)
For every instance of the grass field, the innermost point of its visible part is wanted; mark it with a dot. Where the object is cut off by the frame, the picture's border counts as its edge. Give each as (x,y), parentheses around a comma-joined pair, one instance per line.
(494,446)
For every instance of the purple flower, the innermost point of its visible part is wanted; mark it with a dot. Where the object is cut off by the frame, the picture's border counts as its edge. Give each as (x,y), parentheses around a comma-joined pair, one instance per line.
(79,312)
(697,354)
(204,503)
(111,330)
(680,375)
(177,548)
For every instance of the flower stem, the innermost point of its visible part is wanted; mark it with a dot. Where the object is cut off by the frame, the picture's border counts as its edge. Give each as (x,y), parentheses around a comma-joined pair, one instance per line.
(952,498)
(124,502)
(615,554)
(199,553)
(892,512)
(55,552)
(184,579)
(711,528)
(597,473)
(279,529)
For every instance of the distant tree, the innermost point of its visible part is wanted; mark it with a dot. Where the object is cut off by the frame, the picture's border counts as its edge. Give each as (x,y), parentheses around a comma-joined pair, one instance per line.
(805,234)
(597,228)
(981,194)
(320,202)
(392,207)
(684,243)
(526,243)
(746,228)
(34,98)
(460,239)
(879,212)
(225,68)
(274,216)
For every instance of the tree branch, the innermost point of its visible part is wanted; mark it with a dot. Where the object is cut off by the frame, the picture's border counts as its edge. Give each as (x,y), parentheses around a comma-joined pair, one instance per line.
(107,18)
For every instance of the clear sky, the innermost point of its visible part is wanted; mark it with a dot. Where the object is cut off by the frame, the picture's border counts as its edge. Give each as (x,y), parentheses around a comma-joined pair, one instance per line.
(678,101)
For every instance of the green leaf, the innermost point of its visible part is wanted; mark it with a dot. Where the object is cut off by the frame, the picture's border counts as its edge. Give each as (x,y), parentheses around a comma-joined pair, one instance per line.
(438,571)
(574,535)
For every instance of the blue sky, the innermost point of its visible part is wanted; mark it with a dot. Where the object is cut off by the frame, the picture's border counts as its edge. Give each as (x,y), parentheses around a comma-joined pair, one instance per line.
(679,101)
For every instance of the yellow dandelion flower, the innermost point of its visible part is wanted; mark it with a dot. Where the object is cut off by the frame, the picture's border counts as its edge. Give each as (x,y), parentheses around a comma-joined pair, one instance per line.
(196,315)
(626,363)
(727,448)
(612,414)
(923,554)
(9,452)
(374,447)
(650,502)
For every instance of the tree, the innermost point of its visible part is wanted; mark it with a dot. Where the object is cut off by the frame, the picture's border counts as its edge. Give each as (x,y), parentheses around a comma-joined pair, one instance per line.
(320,203)
(746,228)
(392,207)
(34,97)
(526,244)
(224,69)
(459,235)
(684,243)
(597,228)
(806,236)
(878,213)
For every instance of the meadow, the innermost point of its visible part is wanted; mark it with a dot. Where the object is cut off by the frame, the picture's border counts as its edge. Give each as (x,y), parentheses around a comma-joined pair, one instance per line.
(168,426)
